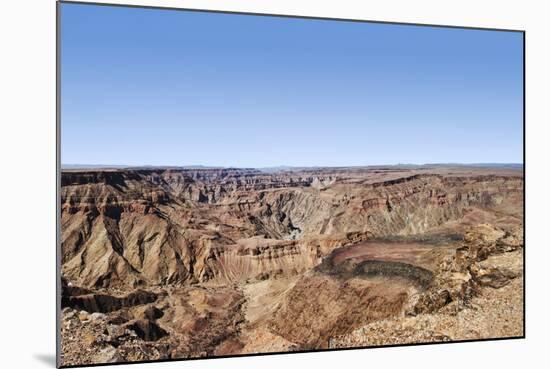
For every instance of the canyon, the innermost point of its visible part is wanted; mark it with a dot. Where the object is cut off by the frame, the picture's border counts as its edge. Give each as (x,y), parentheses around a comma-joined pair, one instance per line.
(174,263)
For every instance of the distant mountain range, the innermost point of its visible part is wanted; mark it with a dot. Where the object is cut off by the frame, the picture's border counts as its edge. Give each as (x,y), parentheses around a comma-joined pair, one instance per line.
(283,168)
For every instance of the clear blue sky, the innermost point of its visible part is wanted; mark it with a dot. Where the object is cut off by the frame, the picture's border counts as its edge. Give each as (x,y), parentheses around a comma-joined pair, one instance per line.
(160,87)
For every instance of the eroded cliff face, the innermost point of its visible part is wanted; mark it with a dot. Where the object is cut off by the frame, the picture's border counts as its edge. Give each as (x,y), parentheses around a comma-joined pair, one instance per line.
(144,227)
(301,257)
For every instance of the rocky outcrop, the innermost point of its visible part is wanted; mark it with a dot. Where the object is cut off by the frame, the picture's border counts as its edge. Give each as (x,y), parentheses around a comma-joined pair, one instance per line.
(103,303)
(179,323)
(146,329)
(460,276)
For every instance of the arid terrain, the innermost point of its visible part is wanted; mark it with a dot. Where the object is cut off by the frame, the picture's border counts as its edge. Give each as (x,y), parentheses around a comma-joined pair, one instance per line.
(168,263)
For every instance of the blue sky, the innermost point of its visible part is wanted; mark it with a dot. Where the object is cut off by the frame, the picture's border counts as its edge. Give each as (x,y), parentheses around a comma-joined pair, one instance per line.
(160,87)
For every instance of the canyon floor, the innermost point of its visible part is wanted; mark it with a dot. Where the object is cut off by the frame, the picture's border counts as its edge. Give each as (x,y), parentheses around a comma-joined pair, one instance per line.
(173,263)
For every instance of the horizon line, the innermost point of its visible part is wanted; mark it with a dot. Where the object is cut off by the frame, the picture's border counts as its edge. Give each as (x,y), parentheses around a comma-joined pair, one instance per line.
(78,165)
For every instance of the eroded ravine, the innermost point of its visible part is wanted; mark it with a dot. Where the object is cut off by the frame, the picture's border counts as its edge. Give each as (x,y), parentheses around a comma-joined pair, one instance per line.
(200,262)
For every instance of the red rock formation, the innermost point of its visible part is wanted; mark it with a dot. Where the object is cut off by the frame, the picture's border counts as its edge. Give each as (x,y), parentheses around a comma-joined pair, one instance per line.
(195,262)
